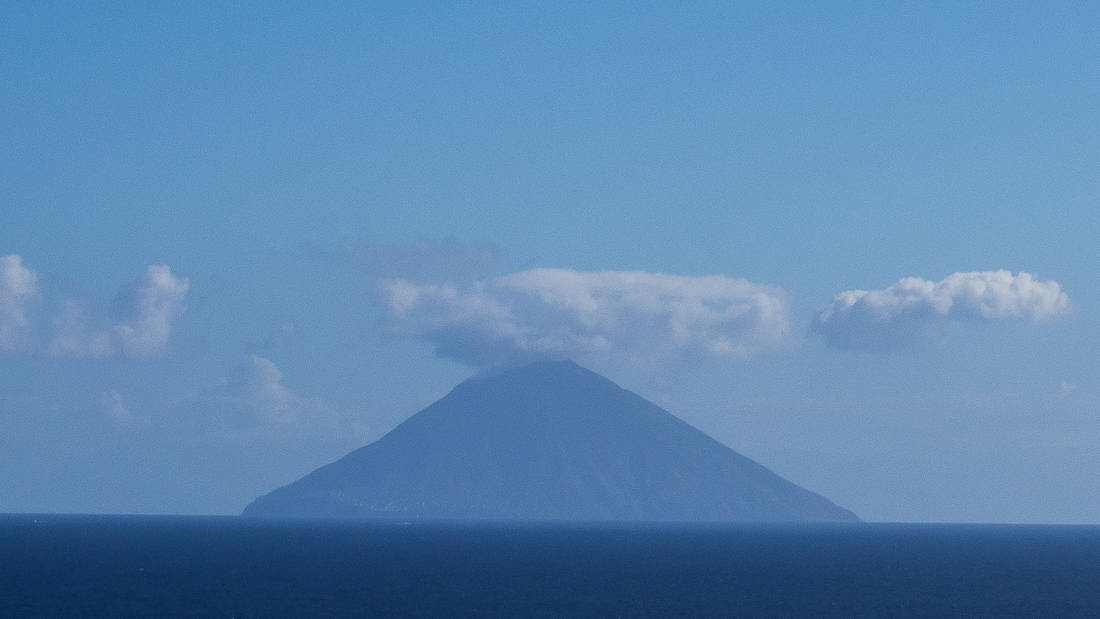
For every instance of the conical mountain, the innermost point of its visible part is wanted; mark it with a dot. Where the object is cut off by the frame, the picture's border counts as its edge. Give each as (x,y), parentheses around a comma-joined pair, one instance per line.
(550,440)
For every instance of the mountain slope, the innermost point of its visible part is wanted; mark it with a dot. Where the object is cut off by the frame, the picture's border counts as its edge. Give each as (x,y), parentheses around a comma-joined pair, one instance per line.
(550,440)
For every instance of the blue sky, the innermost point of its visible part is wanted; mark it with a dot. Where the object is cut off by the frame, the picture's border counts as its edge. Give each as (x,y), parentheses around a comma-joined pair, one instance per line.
(288,164)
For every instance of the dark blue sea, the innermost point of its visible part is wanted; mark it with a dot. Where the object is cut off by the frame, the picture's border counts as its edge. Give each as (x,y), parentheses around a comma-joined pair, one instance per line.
(140,566)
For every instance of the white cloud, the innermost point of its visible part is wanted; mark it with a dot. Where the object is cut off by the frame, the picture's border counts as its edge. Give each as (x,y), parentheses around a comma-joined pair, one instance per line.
(894,317)
(263,391)
(18,285)
(147,308)
(632,315)
(143,313)
(257,402)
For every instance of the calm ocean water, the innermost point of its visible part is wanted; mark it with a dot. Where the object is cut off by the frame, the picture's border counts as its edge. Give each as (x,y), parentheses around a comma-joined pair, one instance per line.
(115,566)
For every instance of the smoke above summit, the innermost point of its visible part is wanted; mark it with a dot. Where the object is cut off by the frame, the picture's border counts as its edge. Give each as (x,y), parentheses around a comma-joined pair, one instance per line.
(636,316)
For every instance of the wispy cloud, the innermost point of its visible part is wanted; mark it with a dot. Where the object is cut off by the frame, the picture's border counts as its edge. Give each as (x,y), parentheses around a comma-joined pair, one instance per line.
(425,259)
(894,317)
(112,404)
(632,315)
(18,285)
(73,338)
(1066,388)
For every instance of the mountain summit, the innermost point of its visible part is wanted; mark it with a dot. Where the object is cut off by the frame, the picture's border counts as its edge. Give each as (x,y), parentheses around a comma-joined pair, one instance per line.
(550,440)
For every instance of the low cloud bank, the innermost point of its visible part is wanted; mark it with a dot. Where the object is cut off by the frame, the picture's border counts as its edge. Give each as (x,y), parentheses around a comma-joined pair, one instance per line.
(433,260)
(634,315)
(894,317)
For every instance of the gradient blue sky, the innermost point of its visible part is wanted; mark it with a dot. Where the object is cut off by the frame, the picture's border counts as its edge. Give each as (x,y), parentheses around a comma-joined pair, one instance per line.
(289,160)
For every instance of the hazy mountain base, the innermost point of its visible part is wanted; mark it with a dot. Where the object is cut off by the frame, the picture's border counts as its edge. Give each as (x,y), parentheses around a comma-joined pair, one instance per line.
(548,441)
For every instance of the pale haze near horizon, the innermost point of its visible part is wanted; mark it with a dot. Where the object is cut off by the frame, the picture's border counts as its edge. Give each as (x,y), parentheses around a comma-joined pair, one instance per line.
(856,244)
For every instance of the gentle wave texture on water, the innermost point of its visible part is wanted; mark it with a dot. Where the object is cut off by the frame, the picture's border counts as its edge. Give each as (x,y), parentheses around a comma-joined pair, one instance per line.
(115,566)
